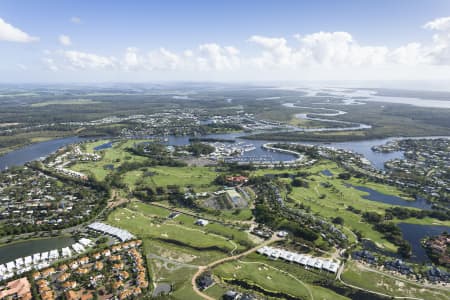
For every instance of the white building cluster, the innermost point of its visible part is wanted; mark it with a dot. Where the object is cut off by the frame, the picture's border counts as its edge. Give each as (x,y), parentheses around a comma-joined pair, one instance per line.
(121,234)
(40,261)
(301,259)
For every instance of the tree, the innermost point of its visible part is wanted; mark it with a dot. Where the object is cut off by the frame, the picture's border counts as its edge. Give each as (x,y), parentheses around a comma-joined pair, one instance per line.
(404,249)
(344,176)
(338,220)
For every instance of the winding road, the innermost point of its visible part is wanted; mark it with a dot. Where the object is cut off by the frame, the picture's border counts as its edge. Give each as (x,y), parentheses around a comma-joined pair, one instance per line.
(202,269)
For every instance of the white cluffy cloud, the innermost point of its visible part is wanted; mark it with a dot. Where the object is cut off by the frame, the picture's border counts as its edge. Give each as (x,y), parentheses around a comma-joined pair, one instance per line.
(65,40)
(13,34)
(327,52)
(77,60)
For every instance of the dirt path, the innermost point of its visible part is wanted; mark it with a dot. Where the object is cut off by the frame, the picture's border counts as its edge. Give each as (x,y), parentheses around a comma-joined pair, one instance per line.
(202,269)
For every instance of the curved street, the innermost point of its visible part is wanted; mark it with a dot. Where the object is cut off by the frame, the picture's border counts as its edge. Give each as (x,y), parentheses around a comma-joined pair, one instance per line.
(213,264)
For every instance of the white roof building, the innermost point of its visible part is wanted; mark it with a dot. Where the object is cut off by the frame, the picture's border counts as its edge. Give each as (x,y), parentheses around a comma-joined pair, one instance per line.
(36,258)
(303,259)
(54,254)
(66,252)
(28,260)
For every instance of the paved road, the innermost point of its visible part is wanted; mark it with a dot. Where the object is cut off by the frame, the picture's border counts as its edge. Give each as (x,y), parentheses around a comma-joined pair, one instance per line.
(202,269)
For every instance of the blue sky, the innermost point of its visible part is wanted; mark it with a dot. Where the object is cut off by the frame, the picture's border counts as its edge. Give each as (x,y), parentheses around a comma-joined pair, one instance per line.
(230,40)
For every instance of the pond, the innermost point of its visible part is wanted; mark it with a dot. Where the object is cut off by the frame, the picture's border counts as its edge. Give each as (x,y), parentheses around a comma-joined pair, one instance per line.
(21,249)
(391,199)
(414,233)
(106,145)
(326,173)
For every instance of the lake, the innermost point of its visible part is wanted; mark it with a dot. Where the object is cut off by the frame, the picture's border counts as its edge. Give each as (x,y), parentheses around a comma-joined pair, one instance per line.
(391,199)
(22,249)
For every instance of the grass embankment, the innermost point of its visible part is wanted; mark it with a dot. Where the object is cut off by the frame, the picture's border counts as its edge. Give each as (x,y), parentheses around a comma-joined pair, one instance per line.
(356,274)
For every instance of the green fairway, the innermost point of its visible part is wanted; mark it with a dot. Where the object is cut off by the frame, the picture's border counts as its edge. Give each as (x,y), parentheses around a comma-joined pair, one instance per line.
(237,235)
(358,275)
(146,227)
(199,178)
(146,221)
(114,156)
(275,278)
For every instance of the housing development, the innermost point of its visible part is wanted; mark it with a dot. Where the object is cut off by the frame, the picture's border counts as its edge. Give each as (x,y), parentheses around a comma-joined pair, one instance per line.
(224,150)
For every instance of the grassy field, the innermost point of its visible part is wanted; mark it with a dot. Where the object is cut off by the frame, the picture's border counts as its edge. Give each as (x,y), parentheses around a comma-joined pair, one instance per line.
(115,156)
(199,178)
(146,221)
(229,232)
(149,227)
(356,275)
(276,276)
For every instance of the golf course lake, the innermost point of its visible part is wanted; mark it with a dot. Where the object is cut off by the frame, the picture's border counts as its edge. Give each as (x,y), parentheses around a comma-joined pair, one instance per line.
(104,146)
(415,233)
(326,173)
(12,251)
(391,199)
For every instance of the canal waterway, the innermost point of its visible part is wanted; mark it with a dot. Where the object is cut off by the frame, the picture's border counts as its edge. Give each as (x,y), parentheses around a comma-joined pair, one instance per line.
(26,248)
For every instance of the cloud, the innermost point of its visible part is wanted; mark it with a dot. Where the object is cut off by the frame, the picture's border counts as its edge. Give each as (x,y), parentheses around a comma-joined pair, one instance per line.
(439,51)
(50,64)
(215,57)
(275,51)
(77,60)
(316,53)
(65,40)
(12,34)
(322,48)
(206,57)
(76,20)
(438,24)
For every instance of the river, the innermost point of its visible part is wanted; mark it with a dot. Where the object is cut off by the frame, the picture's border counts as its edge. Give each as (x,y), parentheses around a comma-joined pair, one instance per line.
(34,151)
(42,149)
